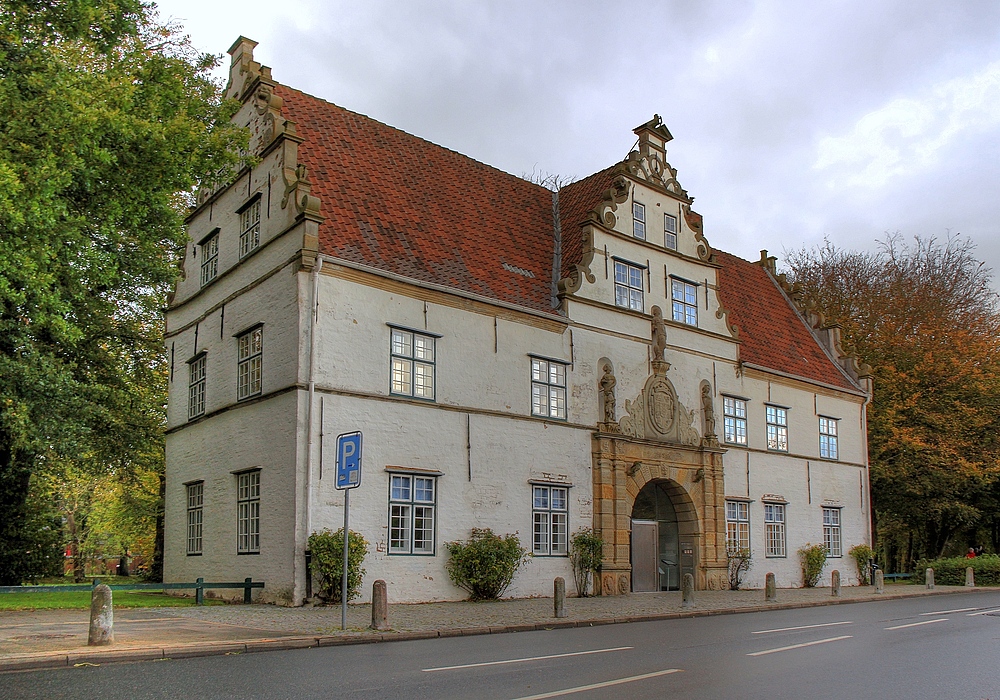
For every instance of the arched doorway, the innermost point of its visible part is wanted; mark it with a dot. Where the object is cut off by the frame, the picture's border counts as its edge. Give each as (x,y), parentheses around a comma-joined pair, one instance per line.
(656,547)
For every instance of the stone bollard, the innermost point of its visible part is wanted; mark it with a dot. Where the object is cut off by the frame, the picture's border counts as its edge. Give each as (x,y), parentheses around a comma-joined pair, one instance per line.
(687,589)
(970,577)
(879,582)
(835,583)
(770,589)
(930,579)
(380,606)
(102,618)
(559,597)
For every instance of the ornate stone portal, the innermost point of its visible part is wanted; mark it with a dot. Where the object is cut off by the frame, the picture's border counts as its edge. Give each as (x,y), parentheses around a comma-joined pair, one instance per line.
(656,441)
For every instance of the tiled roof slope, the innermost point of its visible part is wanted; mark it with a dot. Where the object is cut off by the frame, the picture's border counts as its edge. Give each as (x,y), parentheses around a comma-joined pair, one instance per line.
(576,201)
(773,334)
(401,204)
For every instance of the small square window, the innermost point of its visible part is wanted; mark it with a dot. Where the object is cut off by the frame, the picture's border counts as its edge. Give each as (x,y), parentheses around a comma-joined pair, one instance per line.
(411,514)
(737,526)
(413,366)
(209,260)
(639,220)
(828,438)
(777,428)
(628,286)
(684,298)
(548,389)
(549,520)
(670,231)
(250,229)
(735,417)
(248,367)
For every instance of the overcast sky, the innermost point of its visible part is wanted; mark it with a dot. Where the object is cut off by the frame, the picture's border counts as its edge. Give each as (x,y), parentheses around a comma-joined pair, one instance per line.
(792,121)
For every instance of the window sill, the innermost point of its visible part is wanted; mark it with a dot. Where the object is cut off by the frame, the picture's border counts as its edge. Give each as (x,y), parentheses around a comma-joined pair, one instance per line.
(413,398)
(538,415)
(194,554)
(412,554)
(244,554)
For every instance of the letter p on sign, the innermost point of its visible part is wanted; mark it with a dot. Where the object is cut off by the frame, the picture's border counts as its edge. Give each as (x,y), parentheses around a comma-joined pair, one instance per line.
(349,460)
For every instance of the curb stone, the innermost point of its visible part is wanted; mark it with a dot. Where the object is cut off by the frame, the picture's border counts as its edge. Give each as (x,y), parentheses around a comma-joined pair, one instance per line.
(50,660)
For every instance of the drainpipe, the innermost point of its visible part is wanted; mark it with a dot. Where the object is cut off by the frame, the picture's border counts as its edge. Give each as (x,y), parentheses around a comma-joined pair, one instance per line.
(310,430)
(868,476)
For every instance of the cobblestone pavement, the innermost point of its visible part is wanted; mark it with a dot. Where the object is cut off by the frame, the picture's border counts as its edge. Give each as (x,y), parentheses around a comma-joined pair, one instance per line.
(58,638)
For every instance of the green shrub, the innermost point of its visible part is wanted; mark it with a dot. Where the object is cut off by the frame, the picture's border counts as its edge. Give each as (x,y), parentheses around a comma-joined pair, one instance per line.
(951,571)
(862,554)
(740,561)
(485,565)
(328,562)
(586,554)
(813,558)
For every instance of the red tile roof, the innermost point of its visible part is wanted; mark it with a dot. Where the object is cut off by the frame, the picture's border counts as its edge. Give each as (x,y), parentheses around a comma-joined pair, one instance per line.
(773,334)
(402,204)
(398,203)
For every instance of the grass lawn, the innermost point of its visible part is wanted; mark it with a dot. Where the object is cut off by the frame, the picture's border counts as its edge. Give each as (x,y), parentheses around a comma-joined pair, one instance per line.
(57,600)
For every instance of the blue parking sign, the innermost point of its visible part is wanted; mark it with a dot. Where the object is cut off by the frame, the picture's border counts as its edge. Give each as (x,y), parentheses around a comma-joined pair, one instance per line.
(349,460)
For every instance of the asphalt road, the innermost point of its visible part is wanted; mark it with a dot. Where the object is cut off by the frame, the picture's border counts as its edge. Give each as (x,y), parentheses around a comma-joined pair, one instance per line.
(938,647)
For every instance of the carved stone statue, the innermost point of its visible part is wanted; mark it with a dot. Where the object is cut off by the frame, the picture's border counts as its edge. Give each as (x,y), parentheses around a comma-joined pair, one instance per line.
(607,385)
(659,335)
(708,409)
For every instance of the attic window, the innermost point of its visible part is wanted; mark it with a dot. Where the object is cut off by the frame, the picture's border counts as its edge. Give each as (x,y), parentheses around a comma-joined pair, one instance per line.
(639,220)
(670,231)
(518,270)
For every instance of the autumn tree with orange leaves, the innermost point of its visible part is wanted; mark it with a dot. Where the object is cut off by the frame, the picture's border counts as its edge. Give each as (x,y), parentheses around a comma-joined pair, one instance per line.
(925,317)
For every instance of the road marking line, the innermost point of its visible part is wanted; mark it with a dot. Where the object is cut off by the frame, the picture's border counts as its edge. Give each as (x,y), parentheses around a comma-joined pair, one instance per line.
(799,646)
(595,686)
(945,612)
(917,624)
(803,627)
(529,658)
(984,612)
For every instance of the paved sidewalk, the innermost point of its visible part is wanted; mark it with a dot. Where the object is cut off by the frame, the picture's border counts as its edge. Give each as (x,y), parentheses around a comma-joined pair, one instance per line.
(58,638)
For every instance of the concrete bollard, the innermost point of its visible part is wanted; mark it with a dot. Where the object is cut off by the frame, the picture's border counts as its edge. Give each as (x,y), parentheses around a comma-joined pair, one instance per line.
(102,618)
(879,582)
(970,577)
(559,597)
(835,583)
(687,600)
(380,606)
(770,589)
(930,579)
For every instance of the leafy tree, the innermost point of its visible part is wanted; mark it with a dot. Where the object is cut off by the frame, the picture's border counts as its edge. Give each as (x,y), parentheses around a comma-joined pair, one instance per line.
(107,122)
(925,317)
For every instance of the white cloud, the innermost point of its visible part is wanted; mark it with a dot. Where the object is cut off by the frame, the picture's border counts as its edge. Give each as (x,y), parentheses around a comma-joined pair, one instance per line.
(908,135)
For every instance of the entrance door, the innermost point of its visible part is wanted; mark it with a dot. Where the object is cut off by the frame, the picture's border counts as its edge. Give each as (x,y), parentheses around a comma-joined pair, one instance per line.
(645,575)
(653,509)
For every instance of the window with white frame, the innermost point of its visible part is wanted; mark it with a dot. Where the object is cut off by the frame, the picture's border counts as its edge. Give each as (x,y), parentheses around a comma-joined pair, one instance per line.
(628,286)
(412,371)
(831,532)
(684,299)
(250,228)
(827,438)
(777,428)
(737,526)
(196,387)
(411,514)
(248,513)
(248,367)
(670,231)
(549,520)
(639,220)
(734,415)
(209,259)
(548,388)
(774,529)
(195,508)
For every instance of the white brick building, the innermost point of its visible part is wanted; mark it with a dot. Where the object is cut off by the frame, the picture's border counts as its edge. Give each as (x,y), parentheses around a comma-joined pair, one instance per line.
(471,323)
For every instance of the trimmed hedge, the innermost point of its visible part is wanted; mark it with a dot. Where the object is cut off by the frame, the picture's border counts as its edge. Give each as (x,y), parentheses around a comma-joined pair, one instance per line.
(951,572)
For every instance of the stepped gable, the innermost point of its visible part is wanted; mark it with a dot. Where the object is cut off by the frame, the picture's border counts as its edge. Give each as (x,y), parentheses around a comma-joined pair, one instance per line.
(576,201)
(773,334)
(401,204)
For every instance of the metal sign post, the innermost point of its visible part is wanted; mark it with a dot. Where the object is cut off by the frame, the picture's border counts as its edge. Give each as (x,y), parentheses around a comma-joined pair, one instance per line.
(348,477)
